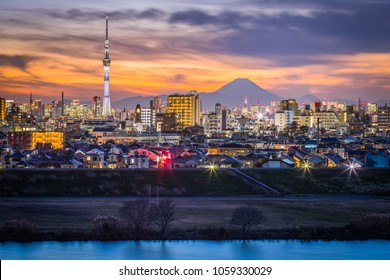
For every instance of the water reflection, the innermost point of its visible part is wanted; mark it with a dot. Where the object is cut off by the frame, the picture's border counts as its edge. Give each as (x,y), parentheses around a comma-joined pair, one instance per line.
(198,250)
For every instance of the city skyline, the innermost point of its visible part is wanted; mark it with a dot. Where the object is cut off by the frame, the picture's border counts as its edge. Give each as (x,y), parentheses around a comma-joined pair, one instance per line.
(291,48)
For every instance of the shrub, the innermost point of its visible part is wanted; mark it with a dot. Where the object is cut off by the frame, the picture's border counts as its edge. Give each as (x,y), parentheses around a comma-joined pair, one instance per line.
(106,227)
(17,229)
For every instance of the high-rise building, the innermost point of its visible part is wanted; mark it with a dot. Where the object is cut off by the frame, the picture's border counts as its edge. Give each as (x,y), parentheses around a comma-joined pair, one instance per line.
(371,108)
(62,104)
(218,110)
(54,109)
(2,109)
(166,122)
(38,109)
(96,107)
(187,107)
(157,104)
(106,64)
(148,117)
(283,119)
(384,117)
(288,105)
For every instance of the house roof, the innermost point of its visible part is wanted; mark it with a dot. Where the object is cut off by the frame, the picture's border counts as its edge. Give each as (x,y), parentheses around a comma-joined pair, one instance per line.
(316,160)
(104,129)
(95,151)
(329,140)
(288,161)
(336,158)
(17,155)
(24,163)
(355,161)
(74,162)
(311,142)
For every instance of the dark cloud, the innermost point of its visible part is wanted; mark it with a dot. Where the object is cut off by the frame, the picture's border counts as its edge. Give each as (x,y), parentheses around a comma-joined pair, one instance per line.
(193,17)
(151,14)
(345,28)
(76,14)
(226,19)
(17,61)
(179,78)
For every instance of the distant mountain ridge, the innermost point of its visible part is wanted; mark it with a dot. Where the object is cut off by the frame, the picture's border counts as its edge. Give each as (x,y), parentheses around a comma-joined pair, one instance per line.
(309,98)
(131,102)
(232,95)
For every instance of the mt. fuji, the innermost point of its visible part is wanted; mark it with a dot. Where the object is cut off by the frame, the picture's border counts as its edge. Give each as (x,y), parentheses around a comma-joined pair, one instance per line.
(234,93)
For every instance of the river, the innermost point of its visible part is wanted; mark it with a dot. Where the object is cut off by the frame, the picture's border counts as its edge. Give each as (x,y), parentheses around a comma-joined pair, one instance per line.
(197,250)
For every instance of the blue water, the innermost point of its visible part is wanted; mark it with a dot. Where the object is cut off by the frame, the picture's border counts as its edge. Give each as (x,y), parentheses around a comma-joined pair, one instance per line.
(197,250)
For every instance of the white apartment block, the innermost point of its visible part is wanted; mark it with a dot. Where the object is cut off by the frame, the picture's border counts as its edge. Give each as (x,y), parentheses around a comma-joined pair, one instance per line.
(328,119)
(283,119)
(148,117)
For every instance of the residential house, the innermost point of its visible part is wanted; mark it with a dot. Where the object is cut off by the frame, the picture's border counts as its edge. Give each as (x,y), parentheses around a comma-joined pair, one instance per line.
(95,159)
(333,160)
(184,162)
(138,161)
(279,163)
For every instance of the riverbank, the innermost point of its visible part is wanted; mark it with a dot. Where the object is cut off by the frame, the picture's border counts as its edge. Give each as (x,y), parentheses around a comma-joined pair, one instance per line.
(350,232)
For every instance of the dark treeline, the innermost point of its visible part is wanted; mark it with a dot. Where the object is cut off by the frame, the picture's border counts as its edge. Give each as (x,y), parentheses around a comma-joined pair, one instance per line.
(110,228)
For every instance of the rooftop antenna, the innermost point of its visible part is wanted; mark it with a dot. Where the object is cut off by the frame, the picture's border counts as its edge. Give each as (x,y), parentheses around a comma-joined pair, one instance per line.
(106,27)
(31,102)
(62,104)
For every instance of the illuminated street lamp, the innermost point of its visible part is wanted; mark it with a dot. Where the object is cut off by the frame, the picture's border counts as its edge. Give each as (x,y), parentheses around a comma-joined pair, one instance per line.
(306,165)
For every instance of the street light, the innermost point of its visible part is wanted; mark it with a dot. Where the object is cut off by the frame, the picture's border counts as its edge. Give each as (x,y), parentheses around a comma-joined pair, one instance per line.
(306,167)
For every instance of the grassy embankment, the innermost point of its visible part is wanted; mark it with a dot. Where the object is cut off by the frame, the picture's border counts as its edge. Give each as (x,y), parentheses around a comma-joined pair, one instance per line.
(123,183)
(372,181)
(190,182)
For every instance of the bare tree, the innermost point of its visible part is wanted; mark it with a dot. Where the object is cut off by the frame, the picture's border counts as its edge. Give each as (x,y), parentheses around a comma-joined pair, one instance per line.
(162,215)
(137,214)
(246,217)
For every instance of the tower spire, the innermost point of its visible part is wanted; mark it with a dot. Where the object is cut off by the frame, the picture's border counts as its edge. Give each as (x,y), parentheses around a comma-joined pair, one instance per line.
(106,63)
(106,27)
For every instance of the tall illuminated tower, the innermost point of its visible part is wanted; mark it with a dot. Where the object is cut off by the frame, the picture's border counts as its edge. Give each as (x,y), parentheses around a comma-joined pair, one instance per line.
(106,63)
